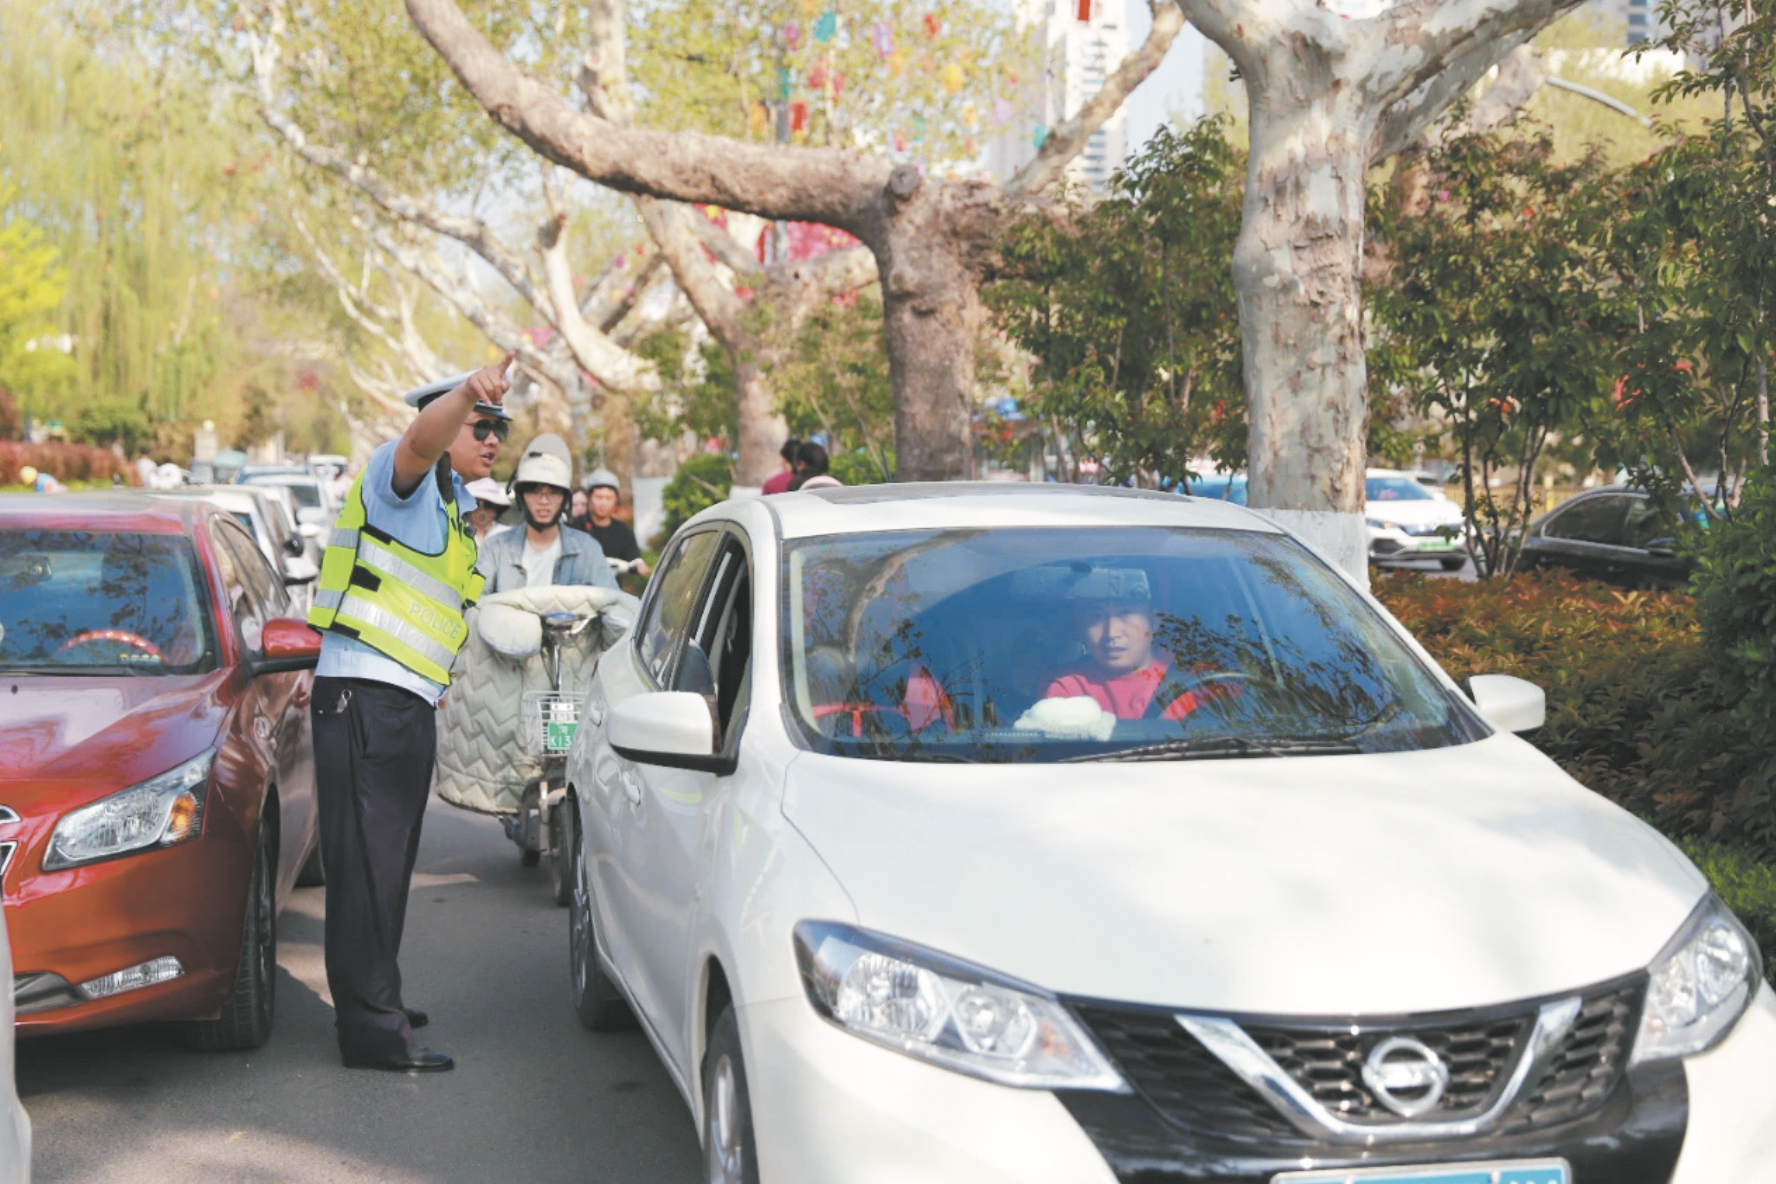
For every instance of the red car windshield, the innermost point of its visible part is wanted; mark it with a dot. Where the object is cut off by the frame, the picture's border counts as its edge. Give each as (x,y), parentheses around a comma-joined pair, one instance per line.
(90,602)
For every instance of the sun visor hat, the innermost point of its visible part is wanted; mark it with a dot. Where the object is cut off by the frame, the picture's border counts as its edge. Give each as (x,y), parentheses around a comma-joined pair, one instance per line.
(1082,582)
(488,492)
(546,461)
(419,396)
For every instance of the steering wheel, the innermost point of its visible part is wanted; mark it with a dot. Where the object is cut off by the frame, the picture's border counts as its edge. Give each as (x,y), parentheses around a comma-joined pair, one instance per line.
(119,635)
(857,711)
(1197,684)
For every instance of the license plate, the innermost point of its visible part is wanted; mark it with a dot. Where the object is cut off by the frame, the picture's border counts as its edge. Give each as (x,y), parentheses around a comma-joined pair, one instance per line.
(558,735)
(1529,1171)
(1436,544)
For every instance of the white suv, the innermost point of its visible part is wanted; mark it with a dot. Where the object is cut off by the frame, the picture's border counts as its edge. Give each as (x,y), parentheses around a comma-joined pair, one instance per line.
(1066,835)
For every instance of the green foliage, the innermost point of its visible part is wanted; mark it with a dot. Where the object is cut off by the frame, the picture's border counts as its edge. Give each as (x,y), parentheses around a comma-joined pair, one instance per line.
(697,389)
(700,482)
(862,468)
(1496,318)
(113,421)
(1636,708)
(32,284)
(833,379)
(1131,314)
(1748,888)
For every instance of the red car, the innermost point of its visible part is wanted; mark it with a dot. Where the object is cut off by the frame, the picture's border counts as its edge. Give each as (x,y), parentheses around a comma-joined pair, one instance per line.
(157,792)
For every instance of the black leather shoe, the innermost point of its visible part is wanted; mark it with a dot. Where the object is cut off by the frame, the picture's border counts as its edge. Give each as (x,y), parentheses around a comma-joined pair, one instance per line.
(415,1017)
(414,1060)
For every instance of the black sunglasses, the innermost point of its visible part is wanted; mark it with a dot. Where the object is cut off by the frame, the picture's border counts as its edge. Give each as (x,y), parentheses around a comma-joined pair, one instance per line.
(497,428)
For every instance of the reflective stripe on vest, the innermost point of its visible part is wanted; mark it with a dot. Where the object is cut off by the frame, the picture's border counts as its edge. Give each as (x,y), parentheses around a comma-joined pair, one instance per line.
(399,601)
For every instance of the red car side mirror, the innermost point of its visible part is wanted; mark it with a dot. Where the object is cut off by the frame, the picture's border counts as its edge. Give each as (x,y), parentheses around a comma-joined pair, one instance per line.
(287,643)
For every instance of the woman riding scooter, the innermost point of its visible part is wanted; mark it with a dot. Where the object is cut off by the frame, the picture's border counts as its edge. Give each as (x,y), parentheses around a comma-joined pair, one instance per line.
(543,553)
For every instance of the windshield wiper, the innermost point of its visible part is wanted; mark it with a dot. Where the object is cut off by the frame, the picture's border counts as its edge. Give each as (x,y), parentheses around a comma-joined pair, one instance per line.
(1196,747)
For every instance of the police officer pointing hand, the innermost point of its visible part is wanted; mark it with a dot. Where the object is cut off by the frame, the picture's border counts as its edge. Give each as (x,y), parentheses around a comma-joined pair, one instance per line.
(396,578)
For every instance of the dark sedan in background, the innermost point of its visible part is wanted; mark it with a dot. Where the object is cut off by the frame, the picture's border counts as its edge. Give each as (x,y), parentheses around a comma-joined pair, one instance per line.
(1615,534)
(157,794)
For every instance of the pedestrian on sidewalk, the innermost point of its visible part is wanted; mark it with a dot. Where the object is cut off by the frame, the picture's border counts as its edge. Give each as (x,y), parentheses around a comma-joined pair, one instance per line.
(778,482)
(396,578)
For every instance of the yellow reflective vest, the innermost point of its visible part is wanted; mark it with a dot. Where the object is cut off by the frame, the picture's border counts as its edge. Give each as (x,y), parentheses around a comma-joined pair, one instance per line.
(396,600)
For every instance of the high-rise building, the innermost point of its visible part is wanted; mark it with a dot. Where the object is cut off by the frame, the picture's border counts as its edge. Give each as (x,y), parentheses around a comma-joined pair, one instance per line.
(1639,18)
(1083,43)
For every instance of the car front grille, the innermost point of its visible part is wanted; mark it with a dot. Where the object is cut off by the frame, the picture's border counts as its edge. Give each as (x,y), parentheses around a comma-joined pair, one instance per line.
(1183,1080)
(1328,1063)
(1193,1089)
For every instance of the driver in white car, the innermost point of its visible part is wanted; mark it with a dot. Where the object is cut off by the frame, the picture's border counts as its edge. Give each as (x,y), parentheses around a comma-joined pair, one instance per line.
(1123,671)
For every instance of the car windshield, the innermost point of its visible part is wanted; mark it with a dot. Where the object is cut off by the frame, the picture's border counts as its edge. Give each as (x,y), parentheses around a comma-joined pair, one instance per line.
(1396,489)
(1035,644)
(90,602)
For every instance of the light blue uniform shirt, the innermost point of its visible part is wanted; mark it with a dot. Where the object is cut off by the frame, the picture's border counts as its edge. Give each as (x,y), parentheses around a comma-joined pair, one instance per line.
(419,520)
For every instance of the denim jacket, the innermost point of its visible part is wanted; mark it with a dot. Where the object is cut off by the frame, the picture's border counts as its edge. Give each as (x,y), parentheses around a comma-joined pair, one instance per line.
(582,561)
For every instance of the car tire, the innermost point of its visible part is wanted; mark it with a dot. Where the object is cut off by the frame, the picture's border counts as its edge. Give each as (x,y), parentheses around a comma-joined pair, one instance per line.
(597,1001)
(561,857)
(245,1022)
(1452,563)
(314,868)
(730,1153)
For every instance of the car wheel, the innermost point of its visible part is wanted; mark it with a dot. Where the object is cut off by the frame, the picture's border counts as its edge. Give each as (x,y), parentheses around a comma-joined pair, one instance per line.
(1452,563)
(314,868)
(246,1016)
(729,1153)
(597,1001)
(561,856)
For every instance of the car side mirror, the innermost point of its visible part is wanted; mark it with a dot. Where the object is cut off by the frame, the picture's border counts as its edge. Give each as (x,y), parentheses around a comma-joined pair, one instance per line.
(287,644)
(1512,704)
(293,547)
(309,530)
(674,729)
(311,516)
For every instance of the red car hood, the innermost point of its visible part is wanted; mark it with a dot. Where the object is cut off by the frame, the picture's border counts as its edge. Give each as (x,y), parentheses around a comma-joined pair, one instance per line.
(67,737)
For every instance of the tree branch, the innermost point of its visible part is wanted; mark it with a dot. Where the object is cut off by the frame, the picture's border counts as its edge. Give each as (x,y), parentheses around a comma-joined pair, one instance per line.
(1068,139)
(471,232)
(838,188)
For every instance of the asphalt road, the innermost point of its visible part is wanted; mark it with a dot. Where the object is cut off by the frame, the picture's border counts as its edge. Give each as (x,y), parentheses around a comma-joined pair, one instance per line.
(534,1097)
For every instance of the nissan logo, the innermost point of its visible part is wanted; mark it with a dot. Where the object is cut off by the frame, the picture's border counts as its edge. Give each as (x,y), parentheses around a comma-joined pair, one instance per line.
(1405,1076)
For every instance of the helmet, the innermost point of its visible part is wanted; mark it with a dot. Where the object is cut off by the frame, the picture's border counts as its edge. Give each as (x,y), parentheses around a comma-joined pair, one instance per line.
(27,474)
(419,396)
(602,479)
(546,461)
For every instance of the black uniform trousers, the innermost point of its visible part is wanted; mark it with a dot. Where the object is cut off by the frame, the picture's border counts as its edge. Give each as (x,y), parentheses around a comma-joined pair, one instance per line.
(374,748)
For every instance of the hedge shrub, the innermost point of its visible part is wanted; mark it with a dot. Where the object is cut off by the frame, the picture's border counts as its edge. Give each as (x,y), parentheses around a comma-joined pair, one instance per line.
(65,462)
(1636,709)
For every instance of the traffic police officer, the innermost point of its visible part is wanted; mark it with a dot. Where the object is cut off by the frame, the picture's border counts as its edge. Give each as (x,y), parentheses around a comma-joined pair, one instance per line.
(395,579)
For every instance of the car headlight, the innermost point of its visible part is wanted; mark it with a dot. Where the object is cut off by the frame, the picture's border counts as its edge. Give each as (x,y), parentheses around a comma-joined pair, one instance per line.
(158,812)
(1700,986)
(945,1011)
(1378,524)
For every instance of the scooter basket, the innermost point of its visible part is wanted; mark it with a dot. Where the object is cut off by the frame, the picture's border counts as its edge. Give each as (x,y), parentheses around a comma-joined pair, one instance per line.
(550,720)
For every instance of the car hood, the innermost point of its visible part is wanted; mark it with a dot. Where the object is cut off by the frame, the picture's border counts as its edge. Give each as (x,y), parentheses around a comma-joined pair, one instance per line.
(1332,885)
(82,737)
(1430,512)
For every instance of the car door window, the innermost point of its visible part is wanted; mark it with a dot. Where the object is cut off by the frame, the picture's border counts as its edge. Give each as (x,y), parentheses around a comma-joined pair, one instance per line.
(1646,524)
(247,613)
(668,616)
(265,580)
(718,655)
(1593,520)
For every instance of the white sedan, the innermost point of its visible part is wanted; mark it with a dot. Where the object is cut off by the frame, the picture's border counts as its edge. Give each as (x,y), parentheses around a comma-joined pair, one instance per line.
(1062,835)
